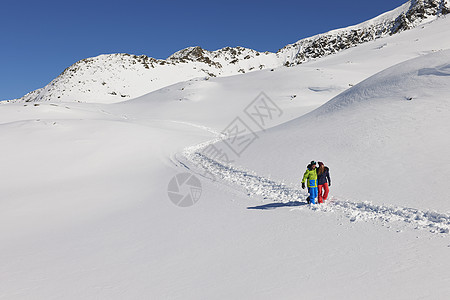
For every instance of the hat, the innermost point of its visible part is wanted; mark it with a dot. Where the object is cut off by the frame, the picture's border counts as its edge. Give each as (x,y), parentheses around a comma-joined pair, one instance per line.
(313,162)
(320,163)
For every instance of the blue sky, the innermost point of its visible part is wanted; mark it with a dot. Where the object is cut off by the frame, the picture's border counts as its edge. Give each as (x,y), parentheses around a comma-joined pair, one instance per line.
(39,39)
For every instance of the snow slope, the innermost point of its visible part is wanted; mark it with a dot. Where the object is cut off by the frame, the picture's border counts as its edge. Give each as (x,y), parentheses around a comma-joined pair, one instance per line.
(384,138)
(387,133)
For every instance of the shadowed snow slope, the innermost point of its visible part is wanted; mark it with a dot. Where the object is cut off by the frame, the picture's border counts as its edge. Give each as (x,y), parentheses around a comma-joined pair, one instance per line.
(385,139)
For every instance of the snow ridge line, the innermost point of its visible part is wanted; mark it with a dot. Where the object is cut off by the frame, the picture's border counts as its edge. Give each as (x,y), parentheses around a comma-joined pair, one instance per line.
(256,185)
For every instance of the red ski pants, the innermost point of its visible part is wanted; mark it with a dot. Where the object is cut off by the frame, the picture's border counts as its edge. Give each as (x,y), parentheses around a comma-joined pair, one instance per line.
(323,192)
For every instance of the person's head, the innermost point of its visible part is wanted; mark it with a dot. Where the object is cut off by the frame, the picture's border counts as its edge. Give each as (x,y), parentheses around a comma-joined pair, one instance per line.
(313,164)
(321,168)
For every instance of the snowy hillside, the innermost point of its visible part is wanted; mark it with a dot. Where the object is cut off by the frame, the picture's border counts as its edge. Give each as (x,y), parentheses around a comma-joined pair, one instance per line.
(407,16)
(214,102)
(118,77)
(298,90)
(384,138)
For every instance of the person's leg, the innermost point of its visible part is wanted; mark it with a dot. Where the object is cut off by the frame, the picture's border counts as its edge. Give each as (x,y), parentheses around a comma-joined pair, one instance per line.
(326,191)
(313,194)
(319,187)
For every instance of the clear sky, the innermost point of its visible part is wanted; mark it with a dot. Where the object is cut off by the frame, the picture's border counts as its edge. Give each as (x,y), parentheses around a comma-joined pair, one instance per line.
(40,38)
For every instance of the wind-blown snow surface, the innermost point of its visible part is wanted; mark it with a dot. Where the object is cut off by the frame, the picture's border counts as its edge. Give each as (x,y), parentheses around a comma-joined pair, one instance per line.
(84,211)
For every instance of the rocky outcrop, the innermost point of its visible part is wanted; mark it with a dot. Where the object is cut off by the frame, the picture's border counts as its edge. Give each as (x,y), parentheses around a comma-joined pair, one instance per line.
(408,16)
(419,10)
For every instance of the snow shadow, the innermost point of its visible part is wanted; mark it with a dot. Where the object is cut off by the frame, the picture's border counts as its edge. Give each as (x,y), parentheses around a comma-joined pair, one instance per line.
(438,71)
(278,205)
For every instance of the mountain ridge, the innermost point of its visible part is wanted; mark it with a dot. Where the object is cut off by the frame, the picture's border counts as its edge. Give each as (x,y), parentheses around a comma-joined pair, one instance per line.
(116,77)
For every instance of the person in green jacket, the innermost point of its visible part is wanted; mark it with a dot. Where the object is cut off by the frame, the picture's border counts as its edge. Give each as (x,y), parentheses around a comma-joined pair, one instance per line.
(310,177)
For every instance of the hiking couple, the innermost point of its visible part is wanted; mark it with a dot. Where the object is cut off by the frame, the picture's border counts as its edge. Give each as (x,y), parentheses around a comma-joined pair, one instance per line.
(318,180)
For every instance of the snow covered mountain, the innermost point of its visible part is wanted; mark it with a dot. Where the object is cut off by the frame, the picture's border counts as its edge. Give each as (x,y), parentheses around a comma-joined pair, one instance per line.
(407,16)
(117,77)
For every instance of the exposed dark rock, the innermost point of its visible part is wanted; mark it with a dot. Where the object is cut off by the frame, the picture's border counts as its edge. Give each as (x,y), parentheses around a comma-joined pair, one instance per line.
(326,44)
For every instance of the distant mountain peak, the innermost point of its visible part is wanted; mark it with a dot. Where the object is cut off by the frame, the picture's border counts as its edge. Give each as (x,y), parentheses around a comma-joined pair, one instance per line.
(190,53)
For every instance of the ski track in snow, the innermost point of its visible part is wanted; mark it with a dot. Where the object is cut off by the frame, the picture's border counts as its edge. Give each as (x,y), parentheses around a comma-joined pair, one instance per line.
(277,192)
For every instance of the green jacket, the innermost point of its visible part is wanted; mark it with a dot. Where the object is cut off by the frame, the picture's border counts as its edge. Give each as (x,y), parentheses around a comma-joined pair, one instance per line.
(310,177)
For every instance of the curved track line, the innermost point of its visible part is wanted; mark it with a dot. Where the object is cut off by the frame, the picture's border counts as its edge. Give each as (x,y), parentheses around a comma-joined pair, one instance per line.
(256,185)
